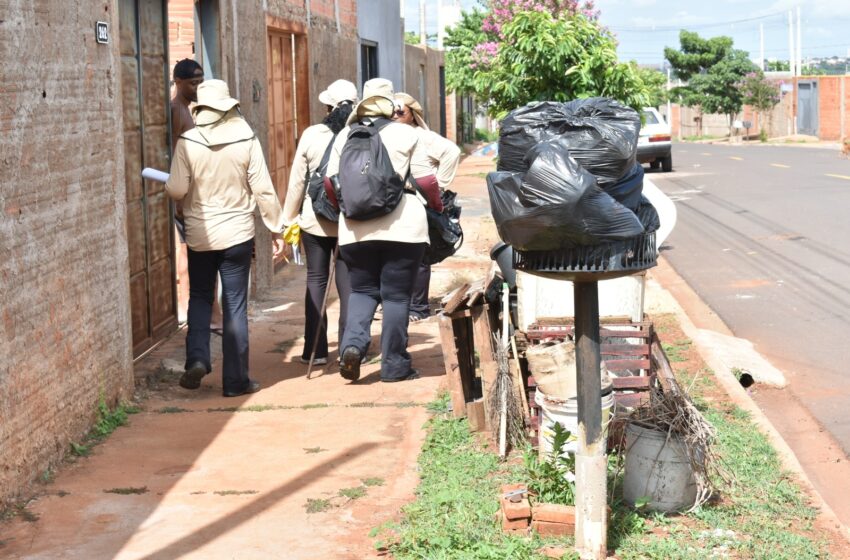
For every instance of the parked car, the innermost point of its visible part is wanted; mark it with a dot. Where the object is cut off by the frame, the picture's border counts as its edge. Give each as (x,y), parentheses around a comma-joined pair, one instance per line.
(654,146)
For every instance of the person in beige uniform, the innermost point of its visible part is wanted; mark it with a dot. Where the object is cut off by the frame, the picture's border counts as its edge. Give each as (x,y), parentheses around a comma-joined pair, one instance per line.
(383,253)
(219,173)
(443,158)
(319,234)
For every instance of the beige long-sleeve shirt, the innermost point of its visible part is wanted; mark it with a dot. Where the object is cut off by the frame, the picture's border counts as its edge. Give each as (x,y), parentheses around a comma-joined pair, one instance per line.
(407,223)
(442,156)
(298,206)
(221,186)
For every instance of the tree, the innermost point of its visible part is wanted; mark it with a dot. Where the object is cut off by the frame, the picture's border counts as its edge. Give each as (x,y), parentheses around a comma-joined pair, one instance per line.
(760,93)
(540,56)
(713,70)
(461,40)
(656,84)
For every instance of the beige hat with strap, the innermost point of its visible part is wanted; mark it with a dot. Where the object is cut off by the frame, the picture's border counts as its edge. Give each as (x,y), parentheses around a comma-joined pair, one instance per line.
(216,95)
(337,92)
(418,114)
(377,100)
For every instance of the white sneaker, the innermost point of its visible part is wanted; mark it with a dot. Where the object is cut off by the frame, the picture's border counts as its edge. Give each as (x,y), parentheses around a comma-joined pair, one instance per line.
(316,362)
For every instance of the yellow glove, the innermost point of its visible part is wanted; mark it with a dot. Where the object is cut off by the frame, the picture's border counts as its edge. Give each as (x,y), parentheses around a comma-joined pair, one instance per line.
(292,234)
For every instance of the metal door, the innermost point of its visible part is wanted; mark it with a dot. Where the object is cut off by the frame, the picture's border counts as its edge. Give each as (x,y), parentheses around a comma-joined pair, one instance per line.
(144,78)
(807,107)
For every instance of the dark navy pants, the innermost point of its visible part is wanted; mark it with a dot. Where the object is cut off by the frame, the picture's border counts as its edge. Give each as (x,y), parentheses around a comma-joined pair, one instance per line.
(419,305)
(233,265)
(381,271)
(319,251)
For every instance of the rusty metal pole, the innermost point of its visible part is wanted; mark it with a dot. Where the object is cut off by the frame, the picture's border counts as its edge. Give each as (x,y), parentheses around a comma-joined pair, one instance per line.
(591,463)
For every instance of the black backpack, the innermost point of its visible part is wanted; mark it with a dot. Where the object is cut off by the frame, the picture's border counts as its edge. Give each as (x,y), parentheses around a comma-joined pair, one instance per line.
(444,231)
(322,205)
(367,187)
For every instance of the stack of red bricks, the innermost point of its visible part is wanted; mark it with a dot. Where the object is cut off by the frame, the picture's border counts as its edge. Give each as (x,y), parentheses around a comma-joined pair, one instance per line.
(548,520)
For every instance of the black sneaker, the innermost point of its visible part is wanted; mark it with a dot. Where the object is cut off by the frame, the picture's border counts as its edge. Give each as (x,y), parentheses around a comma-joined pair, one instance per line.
(349,366)
(191,378)
(413,374)
(253,387)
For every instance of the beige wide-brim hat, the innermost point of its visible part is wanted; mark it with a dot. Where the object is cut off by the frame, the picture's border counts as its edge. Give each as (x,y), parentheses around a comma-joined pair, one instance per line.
(377,100)
(337,92)
(216,95)
(418,114)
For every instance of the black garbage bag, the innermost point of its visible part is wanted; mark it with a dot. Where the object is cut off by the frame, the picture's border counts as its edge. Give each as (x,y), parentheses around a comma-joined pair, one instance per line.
(600,133)
(648,215)
(629,188)
(444,231)
(556,205)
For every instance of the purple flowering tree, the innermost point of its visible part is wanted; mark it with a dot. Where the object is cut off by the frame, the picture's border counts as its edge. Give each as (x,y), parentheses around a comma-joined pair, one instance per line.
(761,94)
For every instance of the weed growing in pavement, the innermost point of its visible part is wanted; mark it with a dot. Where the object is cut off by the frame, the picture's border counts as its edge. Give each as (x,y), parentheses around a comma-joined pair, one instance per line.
(283,347)
(353,493)
(18,510)
(234,492)
(552,480)
(172,410)
(107,422)
(311,450)
(315,405)
(317,505)
(362,405)
(47,476)
(373,481)
(127,491)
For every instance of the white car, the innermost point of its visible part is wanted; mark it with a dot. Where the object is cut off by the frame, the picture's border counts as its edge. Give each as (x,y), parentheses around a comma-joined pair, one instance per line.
(654,146)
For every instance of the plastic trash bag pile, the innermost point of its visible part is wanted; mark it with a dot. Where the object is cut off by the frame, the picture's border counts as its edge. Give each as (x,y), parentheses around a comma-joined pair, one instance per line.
(567,176)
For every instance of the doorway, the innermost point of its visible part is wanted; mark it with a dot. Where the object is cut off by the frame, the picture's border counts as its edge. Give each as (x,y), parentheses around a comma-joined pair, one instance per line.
(145,96)
(288,91)
(807,107)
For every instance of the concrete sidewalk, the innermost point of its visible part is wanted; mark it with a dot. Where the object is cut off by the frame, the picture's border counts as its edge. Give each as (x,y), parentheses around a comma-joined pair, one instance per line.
(232,478)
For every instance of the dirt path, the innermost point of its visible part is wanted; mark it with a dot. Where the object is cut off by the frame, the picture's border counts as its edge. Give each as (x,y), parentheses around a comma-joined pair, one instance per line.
(214,482)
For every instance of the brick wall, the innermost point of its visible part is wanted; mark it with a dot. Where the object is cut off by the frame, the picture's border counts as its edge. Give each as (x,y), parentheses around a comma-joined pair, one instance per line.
(181,30)
(416,59)
(65,331)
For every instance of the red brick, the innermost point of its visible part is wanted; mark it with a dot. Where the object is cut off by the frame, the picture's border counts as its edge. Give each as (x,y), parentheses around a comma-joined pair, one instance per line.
(515,510)
(547,529)
(514,524)
(554,513)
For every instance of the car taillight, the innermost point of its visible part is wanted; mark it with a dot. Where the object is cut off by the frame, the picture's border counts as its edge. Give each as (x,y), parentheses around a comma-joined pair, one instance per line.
(660,138)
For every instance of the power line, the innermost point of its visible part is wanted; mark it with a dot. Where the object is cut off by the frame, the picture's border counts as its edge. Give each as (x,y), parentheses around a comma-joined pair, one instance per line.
(652,28)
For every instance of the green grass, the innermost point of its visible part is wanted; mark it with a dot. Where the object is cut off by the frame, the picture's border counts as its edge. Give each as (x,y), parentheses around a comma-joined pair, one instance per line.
(312,450)
(675,350)
(372,481)
(453,515)
(172,410)
(128,490)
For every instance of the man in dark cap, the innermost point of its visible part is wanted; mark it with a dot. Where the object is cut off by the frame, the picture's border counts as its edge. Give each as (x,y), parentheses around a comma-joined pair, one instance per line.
(188,75)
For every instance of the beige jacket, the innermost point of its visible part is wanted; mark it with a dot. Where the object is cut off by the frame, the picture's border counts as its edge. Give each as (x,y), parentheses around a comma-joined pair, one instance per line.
(442,156)
(407,223)
(221,185)
(308,156)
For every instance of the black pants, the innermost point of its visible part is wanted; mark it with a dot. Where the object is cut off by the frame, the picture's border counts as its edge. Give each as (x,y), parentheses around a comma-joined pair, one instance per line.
(419,305)
(319,251)
(233,265)
(381,271)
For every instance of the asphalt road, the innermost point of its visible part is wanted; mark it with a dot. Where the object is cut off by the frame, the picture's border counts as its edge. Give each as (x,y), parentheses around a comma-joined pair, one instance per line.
(763,236)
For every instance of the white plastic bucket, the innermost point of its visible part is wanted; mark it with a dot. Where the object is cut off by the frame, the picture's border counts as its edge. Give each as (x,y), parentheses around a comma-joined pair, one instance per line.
(565,412)
(657,469)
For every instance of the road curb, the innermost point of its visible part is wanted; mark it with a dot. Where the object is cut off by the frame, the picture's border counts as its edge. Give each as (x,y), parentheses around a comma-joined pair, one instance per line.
(738,395)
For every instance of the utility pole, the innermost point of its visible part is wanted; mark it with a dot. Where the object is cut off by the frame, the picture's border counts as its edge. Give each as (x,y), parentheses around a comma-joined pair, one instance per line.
(791,64)
(799,45)
(423,32)
(761,44)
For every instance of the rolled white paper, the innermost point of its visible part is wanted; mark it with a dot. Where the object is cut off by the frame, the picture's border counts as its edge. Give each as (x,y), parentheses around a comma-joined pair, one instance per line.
(154,174)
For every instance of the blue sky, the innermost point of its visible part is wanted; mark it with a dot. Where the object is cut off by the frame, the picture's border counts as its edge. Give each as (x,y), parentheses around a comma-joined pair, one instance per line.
(645,27)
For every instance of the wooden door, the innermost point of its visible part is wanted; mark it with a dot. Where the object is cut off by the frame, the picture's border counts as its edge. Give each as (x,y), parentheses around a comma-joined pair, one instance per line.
(144,78)
(289,107)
